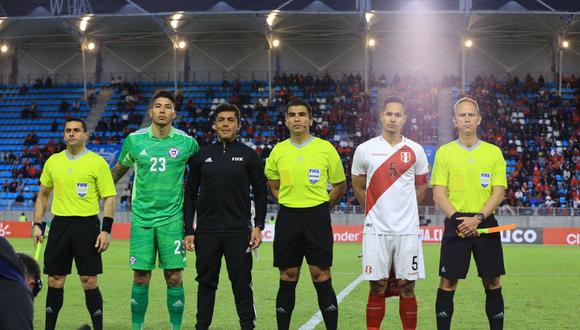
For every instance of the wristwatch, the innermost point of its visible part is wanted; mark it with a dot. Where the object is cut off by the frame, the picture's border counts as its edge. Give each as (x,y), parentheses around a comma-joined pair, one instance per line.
(480,216)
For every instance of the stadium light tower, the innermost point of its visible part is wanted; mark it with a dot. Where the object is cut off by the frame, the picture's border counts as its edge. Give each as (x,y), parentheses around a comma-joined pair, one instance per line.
(84,23)
(174,22)
(563,45)
(178,44)
(467,44)
(271,18)
(90,46)
(369,16)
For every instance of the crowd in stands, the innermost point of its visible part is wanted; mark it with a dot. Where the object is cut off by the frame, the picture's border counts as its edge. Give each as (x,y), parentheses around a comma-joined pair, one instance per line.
(537,130)
(125,119)
(539,133)
(26,165)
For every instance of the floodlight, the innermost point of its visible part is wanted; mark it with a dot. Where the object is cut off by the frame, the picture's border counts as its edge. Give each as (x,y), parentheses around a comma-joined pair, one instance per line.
(181,44)
(175,20)
(468,43)
(275,43)
(271,17)
(4,48)
(371,42)
(84,23)
(369,17)
(91,45)
(565,44)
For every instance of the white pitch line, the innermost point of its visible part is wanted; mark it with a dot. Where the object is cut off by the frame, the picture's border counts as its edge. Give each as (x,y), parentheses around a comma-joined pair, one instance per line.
(316,318)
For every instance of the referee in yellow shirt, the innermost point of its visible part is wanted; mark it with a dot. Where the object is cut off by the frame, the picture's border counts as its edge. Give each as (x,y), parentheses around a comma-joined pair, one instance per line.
(79,178)
(469,182)
(298,171)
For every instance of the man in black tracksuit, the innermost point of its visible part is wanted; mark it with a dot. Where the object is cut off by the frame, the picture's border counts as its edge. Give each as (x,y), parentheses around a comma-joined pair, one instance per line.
(16,307)
(218,188)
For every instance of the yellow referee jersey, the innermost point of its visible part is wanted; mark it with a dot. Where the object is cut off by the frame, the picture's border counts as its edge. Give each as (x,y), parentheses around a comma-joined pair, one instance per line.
(78,182)
(304,171)
(469,173)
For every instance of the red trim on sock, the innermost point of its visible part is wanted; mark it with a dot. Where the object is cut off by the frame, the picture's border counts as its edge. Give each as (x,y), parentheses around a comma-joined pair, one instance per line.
(375,311)
(408,312)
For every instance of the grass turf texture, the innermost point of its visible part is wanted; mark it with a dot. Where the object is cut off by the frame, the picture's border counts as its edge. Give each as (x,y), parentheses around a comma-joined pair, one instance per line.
(541,291)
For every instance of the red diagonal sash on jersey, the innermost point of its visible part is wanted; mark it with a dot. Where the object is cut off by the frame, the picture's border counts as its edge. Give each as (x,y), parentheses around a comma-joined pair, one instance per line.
(389,172)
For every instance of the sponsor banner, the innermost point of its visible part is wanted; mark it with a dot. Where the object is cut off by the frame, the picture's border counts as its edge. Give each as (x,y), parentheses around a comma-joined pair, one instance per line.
(562,236)
(268,233)
(523,236)
(347,233)
(431,234)
(15,229)
(24,230)
(353,233)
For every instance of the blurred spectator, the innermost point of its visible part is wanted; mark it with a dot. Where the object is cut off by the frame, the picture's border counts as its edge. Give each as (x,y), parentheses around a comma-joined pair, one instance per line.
(48,82)
(23,90)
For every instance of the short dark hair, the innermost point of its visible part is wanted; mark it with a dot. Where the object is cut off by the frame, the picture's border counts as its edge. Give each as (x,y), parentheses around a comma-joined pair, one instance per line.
(79,120)
(298,103)
(31,269)
(162,93)
(395,99)
(227,107)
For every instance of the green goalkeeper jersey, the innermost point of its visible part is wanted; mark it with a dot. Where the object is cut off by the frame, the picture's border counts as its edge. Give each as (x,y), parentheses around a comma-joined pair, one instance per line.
(157,197)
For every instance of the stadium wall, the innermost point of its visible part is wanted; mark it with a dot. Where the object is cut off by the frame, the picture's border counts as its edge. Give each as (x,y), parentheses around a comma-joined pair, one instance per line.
(357,219)
(353,233)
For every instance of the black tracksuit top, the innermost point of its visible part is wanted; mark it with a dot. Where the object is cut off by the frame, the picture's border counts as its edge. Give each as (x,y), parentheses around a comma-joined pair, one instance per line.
(218,189)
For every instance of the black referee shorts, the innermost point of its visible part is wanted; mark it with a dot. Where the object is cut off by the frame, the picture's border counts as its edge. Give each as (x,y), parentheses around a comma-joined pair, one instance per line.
(73,237)
(303,232)
(456,251)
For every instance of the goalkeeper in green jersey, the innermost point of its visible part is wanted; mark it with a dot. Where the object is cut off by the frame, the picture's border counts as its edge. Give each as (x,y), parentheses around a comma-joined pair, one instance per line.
(159,154)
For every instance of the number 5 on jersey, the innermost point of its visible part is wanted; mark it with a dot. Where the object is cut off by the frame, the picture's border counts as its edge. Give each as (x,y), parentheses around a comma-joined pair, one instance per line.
(157,164)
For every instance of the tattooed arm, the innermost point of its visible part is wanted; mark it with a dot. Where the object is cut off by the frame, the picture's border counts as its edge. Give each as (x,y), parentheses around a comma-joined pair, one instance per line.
(118,171)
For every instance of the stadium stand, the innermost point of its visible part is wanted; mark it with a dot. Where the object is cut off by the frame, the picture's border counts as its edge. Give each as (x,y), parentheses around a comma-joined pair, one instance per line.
(31,132)
(530,123)
(538,133)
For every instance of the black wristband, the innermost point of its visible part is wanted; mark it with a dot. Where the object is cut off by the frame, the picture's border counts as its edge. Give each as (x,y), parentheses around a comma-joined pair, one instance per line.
(41,225)
(107,224)
(189,231)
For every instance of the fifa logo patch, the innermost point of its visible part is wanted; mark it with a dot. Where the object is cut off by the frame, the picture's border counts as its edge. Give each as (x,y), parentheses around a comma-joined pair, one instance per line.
(173,152)
(405,157)
(82,189)
(485,179)
(313,175)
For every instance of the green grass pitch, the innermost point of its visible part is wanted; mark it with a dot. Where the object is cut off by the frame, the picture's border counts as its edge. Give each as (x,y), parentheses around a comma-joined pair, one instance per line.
(541,291)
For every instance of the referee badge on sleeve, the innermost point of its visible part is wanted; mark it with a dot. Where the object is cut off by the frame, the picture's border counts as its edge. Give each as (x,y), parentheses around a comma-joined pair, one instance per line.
(485,179)
(313,175)
(82,189)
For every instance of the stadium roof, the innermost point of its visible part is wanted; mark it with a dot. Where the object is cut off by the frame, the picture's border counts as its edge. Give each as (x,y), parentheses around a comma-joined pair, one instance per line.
(41,8)
(144,22)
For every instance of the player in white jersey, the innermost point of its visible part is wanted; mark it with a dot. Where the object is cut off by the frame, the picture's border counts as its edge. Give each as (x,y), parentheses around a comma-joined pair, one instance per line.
(389,177)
